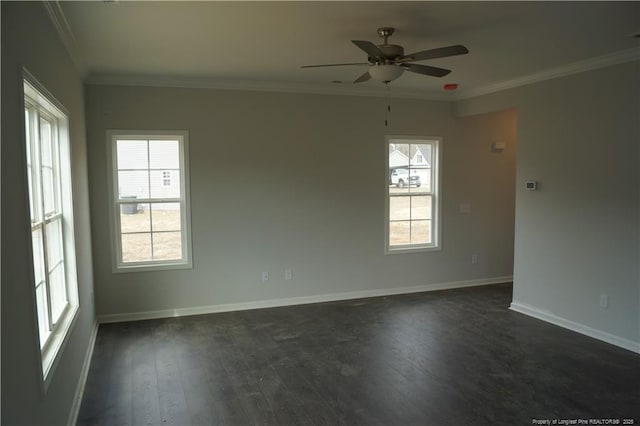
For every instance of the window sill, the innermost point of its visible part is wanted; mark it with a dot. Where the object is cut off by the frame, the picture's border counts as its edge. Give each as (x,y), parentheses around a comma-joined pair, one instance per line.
(151,267)
(55,347)
(411,249)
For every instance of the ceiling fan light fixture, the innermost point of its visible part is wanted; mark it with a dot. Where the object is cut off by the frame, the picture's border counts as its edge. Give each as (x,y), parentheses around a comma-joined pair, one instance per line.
(385,72)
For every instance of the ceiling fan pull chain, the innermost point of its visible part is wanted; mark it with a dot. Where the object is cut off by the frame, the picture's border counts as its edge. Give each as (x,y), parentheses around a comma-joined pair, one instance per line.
(386,120)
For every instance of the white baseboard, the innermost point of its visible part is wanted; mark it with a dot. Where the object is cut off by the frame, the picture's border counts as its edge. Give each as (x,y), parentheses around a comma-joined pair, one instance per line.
(77,398)
(272,303)
(534,312)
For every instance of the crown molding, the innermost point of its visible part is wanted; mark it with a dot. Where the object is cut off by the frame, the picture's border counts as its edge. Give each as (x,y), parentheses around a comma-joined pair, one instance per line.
(62,27)
(259,86)
(607,60)
(369,91)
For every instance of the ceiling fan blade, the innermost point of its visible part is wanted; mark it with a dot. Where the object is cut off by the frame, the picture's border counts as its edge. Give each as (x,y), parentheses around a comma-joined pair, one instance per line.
(440,52)
(364,77)
(335,65)
(371,49)
(426,70)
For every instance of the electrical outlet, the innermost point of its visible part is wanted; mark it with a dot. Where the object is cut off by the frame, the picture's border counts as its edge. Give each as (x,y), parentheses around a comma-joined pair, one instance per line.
(287,275)
(265,276)
(474,259)
(604,300)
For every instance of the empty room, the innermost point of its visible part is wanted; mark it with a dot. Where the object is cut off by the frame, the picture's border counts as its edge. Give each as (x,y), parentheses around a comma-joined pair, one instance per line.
(320,213)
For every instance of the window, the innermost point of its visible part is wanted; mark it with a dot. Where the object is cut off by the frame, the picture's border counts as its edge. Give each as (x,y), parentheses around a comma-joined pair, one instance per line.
(149,200)
(412,194)
(51,211)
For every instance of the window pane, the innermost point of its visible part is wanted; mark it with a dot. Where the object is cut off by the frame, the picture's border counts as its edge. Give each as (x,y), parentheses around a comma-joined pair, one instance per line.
(420,180)
(38,256)
(164,154)
(30,168)
(48,189)
(43,315)
(58,292)
(32,210)
(398,155)
(54,243)
(132,154)
(46,141)
(133,185)
(399,208)
(421,207)
(134,217)
(425,180)
(27,133)
(167,246)
(166,217)
(136,247)
(166,178)
(420,155)
(420,231)
(399,233)
(159,190)
(47,163)
(399,188)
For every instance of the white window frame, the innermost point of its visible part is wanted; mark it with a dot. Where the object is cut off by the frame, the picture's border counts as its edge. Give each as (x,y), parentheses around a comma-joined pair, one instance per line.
(118,265)
(436,200)
(42,104)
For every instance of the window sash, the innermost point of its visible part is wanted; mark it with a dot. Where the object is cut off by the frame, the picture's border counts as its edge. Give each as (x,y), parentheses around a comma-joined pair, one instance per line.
(151,231)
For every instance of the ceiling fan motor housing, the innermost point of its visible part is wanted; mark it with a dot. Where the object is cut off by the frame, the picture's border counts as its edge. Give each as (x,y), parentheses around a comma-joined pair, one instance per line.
(391,51)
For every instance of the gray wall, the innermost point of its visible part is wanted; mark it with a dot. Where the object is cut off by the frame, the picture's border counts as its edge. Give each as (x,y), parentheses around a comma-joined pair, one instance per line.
(577,237)
(28,39)
(298,181)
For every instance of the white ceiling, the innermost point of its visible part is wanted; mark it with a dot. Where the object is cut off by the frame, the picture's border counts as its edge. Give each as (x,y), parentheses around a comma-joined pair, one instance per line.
(263,44)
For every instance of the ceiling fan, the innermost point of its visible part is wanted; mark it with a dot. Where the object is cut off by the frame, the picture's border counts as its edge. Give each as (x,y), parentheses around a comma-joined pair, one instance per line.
(387,61)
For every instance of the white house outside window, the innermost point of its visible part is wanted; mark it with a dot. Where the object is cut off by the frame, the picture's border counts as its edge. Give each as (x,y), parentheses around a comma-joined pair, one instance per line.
(51,212)
(166,178)
(412,214)
(149,200)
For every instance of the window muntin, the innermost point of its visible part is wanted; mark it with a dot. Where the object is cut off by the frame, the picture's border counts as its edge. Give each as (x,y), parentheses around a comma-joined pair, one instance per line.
(412,194)
(51,215)
(150,200)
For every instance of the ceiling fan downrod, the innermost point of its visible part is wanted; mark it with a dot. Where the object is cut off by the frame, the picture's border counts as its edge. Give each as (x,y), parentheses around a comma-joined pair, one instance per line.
(385,33)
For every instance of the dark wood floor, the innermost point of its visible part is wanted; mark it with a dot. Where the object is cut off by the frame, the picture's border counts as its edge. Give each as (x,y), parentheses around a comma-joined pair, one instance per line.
(456,357)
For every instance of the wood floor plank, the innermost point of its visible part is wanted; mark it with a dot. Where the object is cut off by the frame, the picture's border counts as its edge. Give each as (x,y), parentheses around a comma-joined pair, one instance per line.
(171,396)
(120,385)
(94,405)
(245,385)
(146,402)
(317,409)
